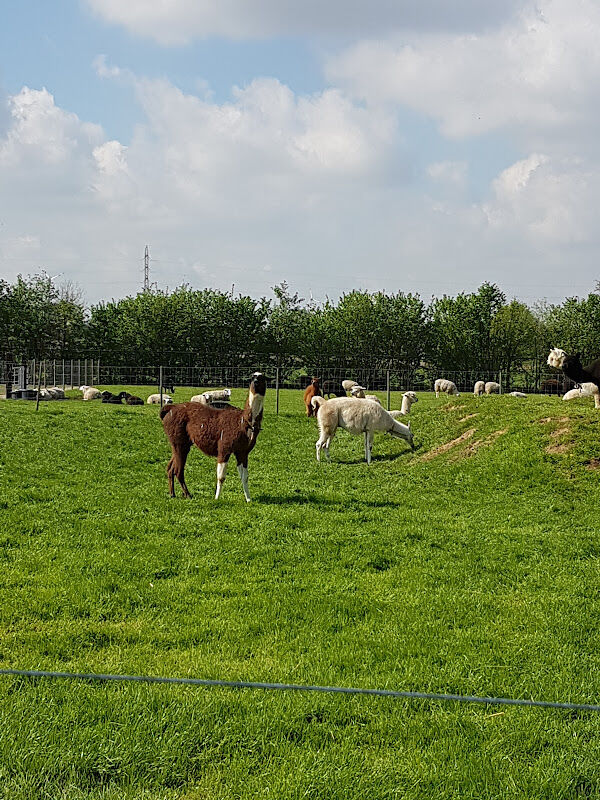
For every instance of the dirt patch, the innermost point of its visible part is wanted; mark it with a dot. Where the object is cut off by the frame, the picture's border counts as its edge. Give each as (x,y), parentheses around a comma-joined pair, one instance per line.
(443,448)
(475,446)
(593,463)
(556,447)
(469,416)
(546,420)
(452,407)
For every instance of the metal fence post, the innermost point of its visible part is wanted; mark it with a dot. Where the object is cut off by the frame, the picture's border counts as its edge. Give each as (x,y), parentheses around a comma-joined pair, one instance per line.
(63,374)
(160,380)
(387,382)
(500,381)
(277,390)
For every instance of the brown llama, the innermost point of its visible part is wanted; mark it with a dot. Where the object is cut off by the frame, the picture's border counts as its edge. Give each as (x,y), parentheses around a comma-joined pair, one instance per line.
(312,390)
(217,432)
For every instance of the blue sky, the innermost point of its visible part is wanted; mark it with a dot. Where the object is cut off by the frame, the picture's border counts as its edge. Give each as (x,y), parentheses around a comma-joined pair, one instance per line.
(414,147)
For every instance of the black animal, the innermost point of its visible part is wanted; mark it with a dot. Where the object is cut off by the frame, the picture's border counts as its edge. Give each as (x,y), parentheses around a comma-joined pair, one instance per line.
(109,397)
(132,400)
(573,369)
(333,389)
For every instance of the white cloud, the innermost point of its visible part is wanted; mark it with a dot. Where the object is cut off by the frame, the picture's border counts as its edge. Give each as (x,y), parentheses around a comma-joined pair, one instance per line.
(174,22)
(453,173)
(537,73)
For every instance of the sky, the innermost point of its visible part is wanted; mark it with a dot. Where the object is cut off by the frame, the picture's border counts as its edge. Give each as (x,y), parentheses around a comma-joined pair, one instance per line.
(396,145)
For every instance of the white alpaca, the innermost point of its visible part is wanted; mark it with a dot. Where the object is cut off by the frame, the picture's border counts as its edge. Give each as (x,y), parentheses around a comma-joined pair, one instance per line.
(355,416)
(348,385)
(556,358)
(479,388)
(443,385)
(492,387)
(518,394)
(359,392)
(408,398)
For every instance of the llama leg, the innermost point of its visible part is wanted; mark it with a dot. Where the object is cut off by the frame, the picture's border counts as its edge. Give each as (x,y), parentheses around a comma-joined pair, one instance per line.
(176,469)
(243,470)
(221,473)
(323,444)
(368,445)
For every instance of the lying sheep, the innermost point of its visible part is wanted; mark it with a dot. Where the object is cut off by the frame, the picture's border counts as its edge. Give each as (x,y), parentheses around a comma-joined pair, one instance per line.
(133,400)
(52,393)
(155,399)
(479,388)
(213,396)
(90,393)
(518,394)
(585,390)
(443,385)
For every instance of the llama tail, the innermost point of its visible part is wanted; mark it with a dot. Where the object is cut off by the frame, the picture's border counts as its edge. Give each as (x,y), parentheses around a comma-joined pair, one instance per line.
(317,402)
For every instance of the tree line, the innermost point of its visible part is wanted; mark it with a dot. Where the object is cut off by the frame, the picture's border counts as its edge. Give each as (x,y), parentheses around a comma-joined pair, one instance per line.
(480,331)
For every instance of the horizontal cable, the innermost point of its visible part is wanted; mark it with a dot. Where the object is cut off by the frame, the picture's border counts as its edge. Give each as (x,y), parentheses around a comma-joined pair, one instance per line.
(507,701)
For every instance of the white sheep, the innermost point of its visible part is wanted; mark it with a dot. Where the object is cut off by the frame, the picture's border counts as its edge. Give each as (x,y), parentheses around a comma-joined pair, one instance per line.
(356,416)
(52,393)
(359,392)
(443,385)
(408,398)
(518,394)
(348,385)
(492,387)
(479,388)
(155,399)
(90,393)
(216,395)
(585,390)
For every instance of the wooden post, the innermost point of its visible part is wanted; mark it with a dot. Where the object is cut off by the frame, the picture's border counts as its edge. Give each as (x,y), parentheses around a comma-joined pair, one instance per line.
(85,372)
(98,370)
(389,399)
(277,391)
(160,381)
(78,372)
(63,374)
(500,381)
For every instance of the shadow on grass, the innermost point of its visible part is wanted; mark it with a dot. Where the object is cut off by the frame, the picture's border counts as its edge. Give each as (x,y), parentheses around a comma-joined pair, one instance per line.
(299,499)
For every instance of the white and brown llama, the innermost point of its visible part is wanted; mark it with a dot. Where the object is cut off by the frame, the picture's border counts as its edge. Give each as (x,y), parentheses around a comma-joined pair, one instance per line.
(220,433)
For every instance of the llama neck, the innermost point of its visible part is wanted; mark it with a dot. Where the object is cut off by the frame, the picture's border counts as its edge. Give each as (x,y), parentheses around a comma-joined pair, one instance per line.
(405,408)
(255,404)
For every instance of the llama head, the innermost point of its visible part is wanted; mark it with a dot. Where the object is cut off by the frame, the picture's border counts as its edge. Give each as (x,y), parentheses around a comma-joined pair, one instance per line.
(256,395)
(411,396)
(357,391)
(556,358)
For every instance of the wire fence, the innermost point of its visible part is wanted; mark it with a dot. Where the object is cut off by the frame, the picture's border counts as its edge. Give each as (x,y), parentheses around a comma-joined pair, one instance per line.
(289,373)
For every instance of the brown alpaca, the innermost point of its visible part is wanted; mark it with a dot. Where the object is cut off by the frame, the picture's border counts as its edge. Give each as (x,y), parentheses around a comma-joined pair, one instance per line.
(217,432)
(312,390)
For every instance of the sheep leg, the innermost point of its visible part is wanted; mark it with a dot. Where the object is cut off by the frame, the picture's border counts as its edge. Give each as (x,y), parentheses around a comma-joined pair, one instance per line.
(221,473)
(369,435)
(243,470)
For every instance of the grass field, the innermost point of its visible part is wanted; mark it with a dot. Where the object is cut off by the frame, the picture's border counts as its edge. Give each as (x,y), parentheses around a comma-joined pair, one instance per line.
(469,566)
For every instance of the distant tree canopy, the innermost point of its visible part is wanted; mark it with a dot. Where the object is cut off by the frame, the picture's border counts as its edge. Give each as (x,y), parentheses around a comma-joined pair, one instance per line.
(481,331)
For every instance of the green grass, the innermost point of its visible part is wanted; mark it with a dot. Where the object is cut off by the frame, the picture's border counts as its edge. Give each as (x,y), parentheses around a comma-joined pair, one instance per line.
(474,571)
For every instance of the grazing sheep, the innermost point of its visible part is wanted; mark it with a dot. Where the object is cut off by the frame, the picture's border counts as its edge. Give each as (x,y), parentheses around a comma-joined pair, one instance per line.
(90,393)
(116,399)
(154,399)
(334,388)
(359,392)
(348,385)
(133,400)
(479,388)
(312,390)
(221,433)
(443,385)
(408,398)
(517,394)
(492,387)
(357,417)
